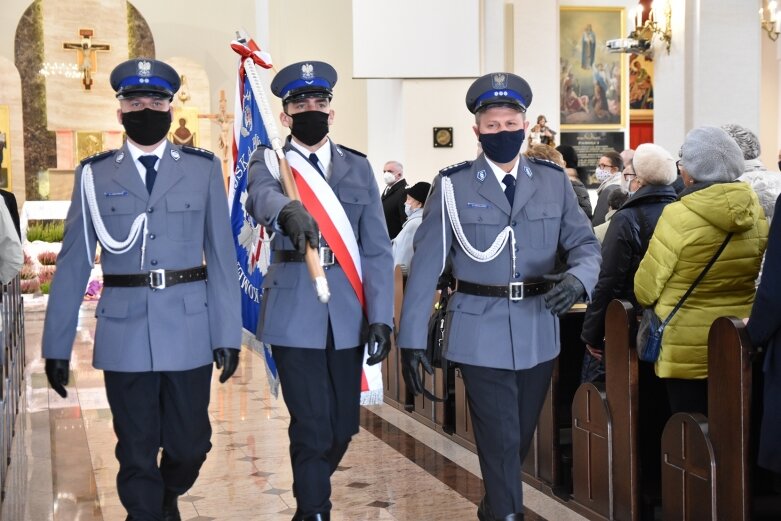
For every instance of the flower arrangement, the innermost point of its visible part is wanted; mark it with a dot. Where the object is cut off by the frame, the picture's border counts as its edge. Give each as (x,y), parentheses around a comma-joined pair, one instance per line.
(47,258)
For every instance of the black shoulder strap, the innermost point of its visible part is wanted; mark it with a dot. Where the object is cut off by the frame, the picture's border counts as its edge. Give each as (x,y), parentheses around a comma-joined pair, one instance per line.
(697,281)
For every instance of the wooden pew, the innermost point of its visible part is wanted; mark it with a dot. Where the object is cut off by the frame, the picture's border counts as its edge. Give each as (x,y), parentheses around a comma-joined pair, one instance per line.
(605,427)
(395,391)
(711,456)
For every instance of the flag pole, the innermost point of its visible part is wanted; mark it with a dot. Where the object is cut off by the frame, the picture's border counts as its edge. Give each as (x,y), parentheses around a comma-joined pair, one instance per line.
(286,176)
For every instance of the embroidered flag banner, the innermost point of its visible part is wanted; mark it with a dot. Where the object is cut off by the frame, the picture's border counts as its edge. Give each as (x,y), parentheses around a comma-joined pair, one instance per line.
(248,237)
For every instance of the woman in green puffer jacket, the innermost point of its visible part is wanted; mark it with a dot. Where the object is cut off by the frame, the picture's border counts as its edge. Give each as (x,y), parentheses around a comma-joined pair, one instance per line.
(686,237)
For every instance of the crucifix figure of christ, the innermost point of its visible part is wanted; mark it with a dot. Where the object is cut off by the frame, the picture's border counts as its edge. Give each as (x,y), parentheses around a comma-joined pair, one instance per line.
(86,55)
(225,122)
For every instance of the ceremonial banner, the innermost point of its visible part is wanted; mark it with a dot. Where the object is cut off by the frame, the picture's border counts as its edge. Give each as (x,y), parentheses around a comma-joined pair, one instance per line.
(248,237)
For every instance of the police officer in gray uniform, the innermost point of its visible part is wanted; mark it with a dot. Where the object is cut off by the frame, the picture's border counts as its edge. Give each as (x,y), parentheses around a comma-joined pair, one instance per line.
(318,348)
(158,211)
(499,220)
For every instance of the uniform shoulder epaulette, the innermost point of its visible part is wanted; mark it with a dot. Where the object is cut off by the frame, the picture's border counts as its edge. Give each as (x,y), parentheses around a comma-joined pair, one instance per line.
(97,157)
(546,162)
(353,151)
(452,169)
(198,151)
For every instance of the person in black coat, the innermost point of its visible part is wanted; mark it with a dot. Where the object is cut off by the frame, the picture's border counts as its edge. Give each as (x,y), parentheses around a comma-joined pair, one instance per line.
(393,197)
(571,168)
(764,328)
(13,209)
(650,177)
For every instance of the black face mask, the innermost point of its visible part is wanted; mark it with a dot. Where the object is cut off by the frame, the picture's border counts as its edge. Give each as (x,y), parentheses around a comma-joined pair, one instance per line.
(502,147)
(310,127)
(146,127)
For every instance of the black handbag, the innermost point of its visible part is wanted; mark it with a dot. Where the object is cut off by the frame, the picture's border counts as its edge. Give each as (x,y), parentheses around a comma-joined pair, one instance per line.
(650,330)
(436,331)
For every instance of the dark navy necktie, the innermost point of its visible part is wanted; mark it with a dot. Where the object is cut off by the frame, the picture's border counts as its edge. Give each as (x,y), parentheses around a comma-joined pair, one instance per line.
(313,159)
(151,173)
(509,188)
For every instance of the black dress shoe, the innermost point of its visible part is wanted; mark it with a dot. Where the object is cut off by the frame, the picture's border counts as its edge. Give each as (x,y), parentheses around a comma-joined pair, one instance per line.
(484,513)
(170,507)
(324,516)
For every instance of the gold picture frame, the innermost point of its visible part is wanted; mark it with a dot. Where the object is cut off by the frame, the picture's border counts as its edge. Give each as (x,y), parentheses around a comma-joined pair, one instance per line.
(88,144)
(641,88)
(184,127)
(592,80)
(6,179)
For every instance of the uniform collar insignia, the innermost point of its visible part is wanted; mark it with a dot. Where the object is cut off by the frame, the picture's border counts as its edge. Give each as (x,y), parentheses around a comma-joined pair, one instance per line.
(480,176)
(340,151)
(119,157)
(528,171)
(499,81)
(175,154)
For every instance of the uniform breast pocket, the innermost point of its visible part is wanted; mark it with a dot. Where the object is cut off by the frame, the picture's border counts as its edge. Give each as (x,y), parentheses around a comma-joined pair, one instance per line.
(544,222)
(482,225)
(118,214)
(354,200)
(185,215)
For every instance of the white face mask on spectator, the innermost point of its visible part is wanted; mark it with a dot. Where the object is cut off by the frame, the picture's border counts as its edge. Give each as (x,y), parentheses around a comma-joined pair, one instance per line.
(408,209)
(602,174)
(389,178)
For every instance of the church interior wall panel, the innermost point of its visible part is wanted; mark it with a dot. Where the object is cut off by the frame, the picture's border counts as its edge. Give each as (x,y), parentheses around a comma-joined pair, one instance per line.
(447,48)
(769,107)
(11,101)
(422,112)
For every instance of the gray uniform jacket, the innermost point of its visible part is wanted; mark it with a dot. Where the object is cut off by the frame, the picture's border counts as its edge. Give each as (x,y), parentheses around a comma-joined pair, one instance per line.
(290,313)
(138,328)
(489,331)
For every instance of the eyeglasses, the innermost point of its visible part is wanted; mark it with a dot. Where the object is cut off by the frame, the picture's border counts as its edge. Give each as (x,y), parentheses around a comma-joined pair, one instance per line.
(628,176)
(606,167)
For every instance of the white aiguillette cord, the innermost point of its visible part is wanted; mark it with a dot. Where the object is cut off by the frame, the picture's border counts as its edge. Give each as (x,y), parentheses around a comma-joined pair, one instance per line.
(493,251)
(106,240)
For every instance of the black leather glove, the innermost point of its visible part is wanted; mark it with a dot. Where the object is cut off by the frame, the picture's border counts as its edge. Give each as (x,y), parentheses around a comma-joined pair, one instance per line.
(379,343)
(565,293)
(298,225)
(228,360)
(411,359)
(57,372)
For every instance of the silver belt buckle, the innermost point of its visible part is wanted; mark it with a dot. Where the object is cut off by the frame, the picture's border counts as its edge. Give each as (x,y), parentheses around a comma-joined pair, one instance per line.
(326,256)
(157,279)
(515,290)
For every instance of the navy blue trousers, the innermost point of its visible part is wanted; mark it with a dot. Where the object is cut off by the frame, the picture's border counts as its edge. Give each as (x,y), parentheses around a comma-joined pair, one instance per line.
(504,406)
(154,410)
(322,391)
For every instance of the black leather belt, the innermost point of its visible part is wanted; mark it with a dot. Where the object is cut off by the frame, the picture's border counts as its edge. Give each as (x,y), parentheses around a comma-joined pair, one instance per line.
(325,253)
(514,290)
(155,279)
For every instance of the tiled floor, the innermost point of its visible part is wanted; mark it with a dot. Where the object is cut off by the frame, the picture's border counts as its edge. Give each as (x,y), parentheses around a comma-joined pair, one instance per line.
(396,469)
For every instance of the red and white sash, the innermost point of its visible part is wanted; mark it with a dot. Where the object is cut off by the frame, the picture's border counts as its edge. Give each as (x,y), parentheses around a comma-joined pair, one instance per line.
(319,199)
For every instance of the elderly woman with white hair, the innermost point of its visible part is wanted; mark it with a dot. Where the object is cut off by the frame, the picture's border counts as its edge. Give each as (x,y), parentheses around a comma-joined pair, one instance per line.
(713,211)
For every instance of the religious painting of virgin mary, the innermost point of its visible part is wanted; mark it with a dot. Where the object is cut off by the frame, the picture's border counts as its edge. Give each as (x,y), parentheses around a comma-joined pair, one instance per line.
(592,79)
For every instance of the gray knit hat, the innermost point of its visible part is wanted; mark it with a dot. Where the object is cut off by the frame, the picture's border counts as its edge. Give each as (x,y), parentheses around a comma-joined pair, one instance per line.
(654,165)
(710,155)
(746,140)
